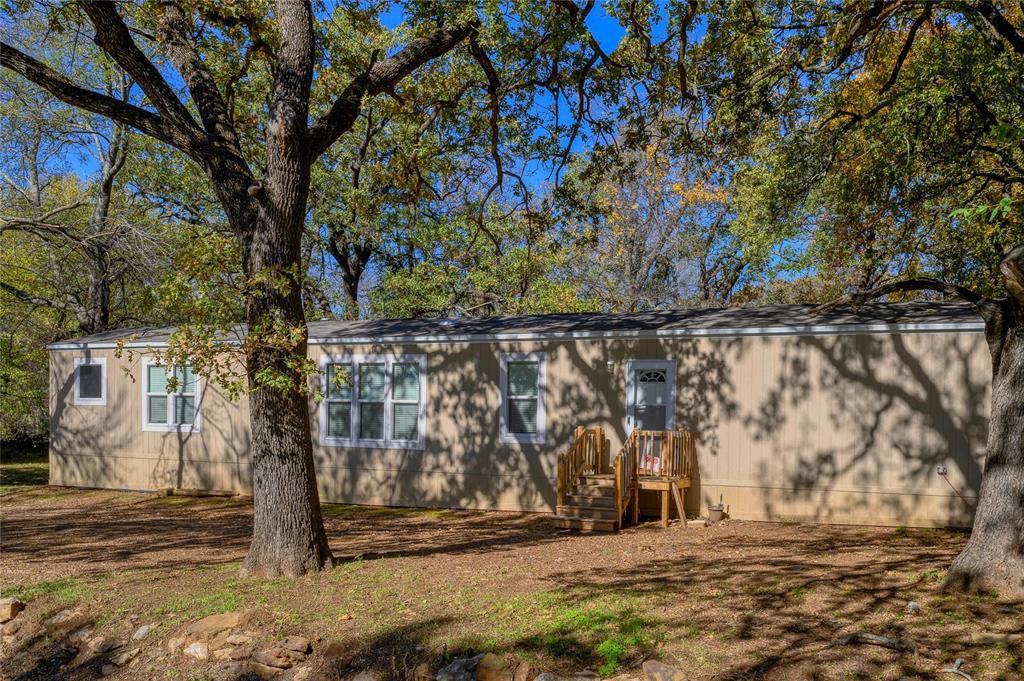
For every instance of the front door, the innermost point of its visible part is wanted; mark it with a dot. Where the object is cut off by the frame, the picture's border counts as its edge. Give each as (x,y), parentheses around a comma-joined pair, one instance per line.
(650,403)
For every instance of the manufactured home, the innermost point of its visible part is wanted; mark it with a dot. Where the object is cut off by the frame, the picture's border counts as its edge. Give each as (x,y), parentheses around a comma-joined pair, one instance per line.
(875,416)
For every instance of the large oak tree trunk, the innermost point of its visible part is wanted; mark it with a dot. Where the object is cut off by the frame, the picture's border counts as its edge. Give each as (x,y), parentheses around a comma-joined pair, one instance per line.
(288,535)
(993,558)
(288,532)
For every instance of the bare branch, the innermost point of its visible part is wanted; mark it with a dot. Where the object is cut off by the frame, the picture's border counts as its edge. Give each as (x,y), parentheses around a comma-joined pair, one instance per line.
(26,297)
(212,109)
(493,92)
(907,44)
(987,307)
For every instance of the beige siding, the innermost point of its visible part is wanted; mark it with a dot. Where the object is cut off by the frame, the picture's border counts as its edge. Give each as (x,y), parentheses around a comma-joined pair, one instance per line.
(833,428)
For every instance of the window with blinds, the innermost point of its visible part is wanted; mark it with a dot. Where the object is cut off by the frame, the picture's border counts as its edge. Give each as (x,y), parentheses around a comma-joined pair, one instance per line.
(170,404)
(373,401)
(522,397)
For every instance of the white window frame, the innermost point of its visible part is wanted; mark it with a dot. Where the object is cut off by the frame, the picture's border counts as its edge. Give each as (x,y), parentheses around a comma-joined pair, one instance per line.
(388,441)
(325,437)
(542,384)
(669,366)
(91,401)
(171,408)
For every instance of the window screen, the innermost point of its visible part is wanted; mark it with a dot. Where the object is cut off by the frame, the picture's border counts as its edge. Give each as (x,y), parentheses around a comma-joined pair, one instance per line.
(523,391)
(90,381)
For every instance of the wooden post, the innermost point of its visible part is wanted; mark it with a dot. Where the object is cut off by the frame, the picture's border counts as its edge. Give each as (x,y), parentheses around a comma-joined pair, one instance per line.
(561,482)
(679,503)
(634,494)
(619,484)
(664,508)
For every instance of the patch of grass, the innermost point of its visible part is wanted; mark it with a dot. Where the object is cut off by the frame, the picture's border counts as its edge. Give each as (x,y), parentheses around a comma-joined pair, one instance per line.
(798,591)
(22,471)
(597,631)
(200,606)
(355,511)
(68,590)
(933,576)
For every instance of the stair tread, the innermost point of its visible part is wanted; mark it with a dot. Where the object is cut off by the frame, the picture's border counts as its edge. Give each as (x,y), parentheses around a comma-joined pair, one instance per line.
(575,523)
(591,500)
(586,511)
(596,482)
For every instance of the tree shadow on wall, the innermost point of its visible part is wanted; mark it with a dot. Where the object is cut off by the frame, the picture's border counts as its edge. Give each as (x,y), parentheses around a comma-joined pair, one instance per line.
(465,463)
(874,415)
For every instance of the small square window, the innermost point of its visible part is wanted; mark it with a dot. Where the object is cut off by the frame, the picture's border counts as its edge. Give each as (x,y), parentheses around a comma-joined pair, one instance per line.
(90,381)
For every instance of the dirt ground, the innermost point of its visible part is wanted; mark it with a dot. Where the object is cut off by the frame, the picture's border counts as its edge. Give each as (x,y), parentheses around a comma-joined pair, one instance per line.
(740,600)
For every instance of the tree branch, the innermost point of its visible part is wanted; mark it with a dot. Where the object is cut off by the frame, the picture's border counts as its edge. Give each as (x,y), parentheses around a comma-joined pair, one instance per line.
(1001,25)
(1012,268)
(493,92)
(378,78)
(25,297)
(113,37)
(65,90)
(212,109)
(987,307)
(907,44)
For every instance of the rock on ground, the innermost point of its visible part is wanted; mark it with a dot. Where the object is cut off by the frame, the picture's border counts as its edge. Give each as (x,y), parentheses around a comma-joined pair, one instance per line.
(461,669)
(493,668)
(9,609)
(298,644)
(198,650)
(142,631)
(656,671)
(214,624)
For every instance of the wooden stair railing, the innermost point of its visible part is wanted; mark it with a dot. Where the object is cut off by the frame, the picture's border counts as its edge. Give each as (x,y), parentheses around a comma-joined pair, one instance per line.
(585,456)
(664,454)
(625,477)
(649,459)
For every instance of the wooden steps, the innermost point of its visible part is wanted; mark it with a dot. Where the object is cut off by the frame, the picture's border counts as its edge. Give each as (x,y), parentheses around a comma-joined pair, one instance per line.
(590,505)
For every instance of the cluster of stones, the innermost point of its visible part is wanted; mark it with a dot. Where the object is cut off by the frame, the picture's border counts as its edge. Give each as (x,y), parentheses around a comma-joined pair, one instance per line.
(218,637)
(75,628)
(490,667)
(223,638)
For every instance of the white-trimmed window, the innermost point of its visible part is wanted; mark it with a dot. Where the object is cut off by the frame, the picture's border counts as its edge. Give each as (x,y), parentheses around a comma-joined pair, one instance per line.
(373,401)
(523,389)
(90,381)
(164,410)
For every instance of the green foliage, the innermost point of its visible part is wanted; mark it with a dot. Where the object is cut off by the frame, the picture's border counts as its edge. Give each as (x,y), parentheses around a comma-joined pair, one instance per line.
(69,590)
(608,633)
(507,266)
(198,606)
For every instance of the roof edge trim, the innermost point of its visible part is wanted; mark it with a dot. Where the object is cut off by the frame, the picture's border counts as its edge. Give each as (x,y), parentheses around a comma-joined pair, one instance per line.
(808,330)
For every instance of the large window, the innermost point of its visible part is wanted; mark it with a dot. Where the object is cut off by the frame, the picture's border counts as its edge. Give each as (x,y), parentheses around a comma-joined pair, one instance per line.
(522,397)
(373,401)
(90,381)
(166,407)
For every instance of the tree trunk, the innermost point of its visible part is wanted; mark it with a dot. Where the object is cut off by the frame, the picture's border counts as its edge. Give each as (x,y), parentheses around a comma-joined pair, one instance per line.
(351,287)
(993,558)
(96,315)
(288,534)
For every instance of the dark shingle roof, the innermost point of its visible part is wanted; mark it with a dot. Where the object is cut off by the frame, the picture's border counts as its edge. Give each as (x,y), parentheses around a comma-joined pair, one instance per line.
(719,321)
